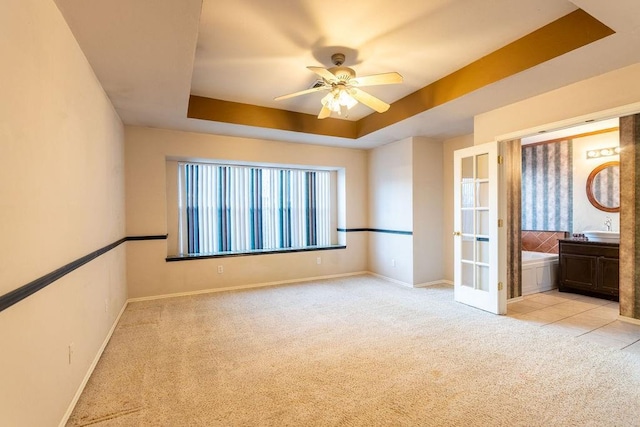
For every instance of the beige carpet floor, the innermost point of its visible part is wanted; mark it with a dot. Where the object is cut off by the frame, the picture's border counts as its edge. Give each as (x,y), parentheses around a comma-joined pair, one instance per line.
(357,351)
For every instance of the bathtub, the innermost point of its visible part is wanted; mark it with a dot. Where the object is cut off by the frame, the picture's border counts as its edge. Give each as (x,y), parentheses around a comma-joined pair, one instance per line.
(539,272)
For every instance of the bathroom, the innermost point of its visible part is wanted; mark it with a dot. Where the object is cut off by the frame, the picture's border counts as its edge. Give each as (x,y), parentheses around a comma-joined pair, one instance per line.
(563,173)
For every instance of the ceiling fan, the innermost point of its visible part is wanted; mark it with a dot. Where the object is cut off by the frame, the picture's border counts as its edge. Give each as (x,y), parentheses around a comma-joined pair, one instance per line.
(344,88)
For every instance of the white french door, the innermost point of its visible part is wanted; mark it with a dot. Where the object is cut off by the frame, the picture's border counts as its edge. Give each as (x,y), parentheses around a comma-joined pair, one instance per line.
(476,261)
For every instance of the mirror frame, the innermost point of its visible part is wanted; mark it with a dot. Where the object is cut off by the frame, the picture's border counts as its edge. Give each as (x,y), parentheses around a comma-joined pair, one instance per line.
(590,179)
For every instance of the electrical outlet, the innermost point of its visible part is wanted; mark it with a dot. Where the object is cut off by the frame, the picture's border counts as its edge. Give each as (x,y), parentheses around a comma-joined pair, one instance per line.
(393,263)
(70,352)
(319,260)
(220,269)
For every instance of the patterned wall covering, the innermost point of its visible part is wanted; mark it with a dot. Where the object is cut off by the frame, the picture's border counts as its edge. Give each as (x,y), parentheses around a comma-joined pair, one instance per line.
(630,216)
(512,152)
(547,186)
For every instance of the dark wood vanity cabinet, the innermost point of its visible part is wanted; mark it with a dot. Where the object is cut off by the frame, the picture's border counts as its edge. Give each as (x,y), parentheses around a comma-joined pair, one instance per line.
(590,268)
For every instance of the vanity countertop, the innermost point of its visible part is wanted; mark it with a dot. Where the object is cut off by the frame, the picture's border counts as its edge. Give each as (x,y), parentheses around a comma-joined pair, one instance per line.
(589,242)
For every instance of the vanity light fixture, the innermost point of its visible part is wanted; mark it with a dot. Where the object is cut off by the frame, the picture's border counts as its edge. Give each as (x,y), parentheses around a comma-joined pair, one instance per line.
(603,152)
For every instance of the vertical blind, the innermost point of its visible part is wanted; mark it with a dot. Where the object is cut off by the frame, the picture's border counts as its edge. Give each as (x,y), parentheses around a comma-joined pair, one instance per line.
(239,208)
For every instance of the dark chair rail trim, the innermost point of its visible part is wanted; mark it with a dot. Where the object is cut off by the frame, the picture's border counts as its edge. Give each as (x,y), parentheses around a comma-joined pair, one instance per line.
(17,295)
(377,230)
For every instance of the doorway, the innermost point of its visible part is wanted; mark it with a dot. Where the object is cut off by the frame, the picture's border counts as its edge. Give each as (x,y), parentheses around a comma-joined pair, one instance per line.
(548,197)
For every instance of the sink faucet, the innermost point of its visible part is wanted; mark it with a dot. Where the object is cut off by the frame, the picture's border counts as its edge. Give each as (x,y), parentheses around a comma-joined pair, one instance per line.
(607,223)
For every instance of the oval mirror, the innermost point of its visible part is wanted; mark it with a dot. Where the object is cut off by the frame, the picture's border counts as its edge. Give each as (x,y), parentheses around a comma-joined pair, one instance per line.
(603,187)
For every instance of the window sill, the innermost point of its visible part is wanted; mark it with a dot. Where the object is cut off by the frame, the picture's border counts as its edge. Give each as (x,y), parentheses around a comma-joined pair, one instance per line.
(189,257)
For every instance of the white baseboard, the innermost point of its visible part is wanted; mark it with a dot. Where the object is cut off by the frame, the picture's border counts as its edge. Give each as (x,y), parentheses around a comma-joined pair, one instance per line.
(629,320)
(285,282)
(409,285)
(435,282)
(389,279)
(74,401)
(250,286)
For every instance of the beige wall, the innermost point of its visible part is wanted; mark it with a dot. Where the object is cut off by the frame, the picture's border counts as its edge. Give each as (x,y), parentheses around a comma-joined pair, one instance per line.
(149,274)
(391,208)
(565,106)
(61,197)
(428,196)
(448,147)
(390,186)
(405,194)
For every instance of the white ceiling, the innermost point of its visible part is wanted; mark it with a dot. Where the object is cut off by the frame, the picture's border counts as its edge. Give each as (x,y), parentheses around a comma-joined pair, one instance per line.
(150,55)
(571,131)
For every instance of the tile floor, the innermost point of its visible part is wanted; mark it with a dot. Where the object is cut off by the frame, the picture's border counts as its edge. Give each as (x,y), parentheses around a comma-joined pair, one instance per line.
(580,316)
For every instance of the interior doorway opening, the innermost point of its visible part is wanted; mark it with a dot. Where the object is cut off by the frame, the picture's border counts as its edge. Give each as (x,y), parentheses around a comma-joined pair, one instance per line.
(543,209)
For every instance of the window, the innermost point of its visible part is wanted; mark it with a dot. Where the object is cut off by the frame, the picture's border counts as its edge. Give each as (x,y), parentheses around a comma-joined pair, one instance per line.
(228,208)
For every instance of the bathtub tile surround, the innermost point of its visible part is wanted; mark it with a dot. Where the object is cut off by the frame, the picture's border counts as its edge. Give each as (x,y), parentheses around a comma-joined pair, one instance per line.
(547,186)
(629,214)
(542,241)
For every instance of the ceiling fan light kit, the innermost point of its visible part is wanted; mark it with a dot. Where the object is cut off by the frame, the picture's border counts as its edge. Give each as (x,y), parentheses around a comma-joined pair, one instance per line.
(338,100)
(343,94)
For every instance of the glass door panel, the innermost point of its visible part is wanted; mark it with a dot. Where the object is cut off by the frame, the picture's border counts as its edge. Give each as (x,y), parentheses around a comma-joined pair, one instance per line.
(467,168)
(483,250)
(474,202)
(482,166)
(468,277)
(468,216)
(482,227)
(483,195)
(482,278)
(467,248)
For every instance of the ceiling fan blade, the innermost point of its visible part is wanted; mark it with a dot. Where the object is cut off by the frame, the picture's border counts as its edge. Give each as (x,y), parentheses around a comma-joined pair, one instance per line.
(302,92)
(377,79)
(369,100)
(325,112)
(327,75)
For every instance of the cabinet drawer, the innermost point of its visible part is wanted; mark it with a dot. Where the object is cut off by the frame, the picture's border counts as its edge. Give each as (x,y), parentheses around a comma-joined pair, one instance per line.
(589,249)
